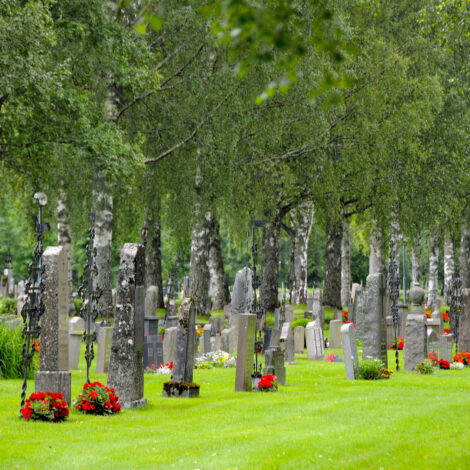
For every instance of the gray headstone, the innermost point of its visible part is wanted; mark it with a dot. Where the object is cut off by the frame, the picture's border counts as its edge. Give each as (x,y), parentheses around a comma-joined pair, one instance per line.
(76,324)
(242,296)
(359,300)
(436,322)
(275,339)
(309,303)
(335,334)
(315,342)
(151,326)
(403,313)
(245,352)
(169,341)
(351,358)
(299,339)
(153,351)
(432,343)
(274,364)
(185,342)
(464,322)
(354,289)
(126,365)
(206,339)
(287,343)
(217,324)
(374,338)
(415,350)
(227,309)
(151,301)
(289,314)
(446,343)
(54,357)
(277,317)
(103,355)
(75,343)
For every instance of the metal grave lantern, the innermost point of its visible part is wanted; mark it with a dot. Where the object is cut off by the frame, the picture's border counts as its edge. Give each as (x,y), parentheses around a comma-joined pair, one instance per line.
(33,308)
(90,296)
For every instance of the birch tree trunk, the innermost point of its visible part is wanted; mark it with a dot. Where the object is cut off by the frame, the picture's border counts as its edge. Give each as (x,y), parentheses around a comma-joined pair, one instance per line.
(219,292)
(302,221)
(332,280)
(64,240)
(345,264)
(102,206)
(199,276)
(465,256)
(153,254)
(396,240)
(270,264)
(416,261)
(433,269)
(449,264)
(377,253)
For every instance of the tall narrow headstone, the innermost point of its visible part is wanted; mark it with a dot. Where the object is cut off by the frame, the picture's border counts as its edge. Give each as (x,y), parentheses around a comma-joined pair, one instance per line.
(287,343)
(335,334)
(54,375)
(126,365)
(374,338)
(103,355)
(245,352)
(315,341)
(169,342)
(351,359)
(464,322)
(289,315)
(151,301)
(359,300)
(206,339)
(242,295)
(415,350)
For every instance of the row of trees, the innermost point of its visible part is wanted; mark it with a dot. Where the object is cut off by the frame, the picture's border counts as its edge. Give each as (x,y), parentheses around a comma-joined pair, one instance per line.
(296,113)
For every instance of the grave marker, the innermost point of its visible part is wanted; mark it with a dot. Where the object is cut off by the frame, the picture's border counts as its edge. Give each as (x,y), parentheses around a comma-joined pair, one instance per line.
(415,350)
(335,334)
(245,352)
(315,341)
(351,360)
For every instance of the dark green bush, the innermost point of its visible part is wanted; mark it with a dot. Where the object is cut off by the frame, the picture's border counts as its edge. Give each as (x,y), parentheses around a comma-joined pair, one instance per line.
(11,358)
(8,306)
(300,322)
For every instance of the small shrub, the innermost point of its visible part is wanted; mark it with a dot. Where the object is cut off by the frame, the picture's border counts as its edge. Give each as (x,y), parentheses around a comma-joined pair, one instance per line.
(372,369)
(300,322)
(11,358)
(8,306)
(45,407)
(96,398)
(425,367)
(78,305)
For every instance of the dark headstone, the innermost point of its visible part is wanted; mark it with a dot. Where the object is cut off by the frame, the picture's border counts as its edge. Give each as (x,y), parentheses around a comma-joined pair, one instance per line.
(153,351)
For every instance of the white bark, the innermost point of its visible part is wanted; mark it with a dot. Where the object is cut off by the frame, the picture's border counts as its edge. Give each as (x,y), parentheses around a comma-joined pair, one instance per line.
(433,269)
(416,261)
(346,265)
(396,240)
(449,265)
(302,221)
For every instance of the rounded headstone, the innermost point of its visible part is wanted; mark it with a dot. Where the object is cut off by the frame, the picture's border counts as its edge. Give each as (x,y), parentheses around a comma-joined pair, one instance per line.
(416,295)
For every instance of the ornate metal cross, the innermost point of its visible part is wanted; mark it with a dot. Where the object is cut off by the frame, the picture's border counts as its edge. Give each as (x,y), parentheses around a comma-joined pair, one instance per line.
(455,304)
(394,287)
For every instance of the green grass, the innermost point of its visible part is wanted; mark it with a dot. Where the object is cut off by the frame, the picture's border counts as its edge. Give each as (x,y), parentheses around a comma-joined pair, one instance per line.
(318,420)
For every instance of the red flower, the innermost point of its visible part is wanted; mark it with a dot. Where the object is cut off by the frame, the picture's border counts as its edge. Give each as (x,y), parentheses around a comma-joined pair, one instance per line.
(446,316)
(443,364)
(447,331)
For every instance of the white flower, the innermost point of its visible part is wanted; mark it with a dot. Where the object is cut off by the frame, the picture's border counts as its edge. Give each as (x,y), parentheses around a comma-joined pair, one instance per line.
(457,366)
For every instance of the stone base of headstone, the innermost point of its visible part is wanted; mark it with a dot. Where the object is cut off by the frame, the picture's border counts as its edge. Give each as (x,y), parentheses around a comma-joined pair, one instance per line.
(75,343)
(129,405)
(105,337)
(55,382)
(335,334)
(180,390)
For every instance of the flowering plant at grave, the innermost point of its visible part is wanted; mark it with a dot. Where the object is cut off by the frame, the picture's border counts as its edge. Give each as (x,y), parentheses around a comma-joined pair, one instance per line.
(457,366)
(165,369)
(463,357)
(425,367)
(214,359)
(345,317)
(447,331)
(432,356)
(373,369)
(37,345)
(45,407)
(445,315)
(332,358)
(96,398)
(401,344)
(443,364)
(268,383)
(427,312)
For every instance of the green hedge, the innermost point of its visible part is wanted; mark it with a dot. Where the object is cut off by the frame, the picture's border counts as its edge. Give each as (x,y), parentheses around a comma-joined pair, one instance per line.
(300,322)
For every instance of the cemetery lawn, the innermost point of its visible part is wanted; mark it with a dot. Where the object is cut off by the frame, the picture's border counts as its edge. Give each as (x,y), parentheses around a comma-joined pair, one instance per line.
(318,420)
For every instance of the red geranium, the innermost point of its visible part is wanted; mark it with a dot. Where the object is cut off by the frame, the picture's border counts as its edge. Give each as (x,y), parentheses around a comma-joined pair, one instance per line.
(45,406)
(443,364)
(96,398)
(401,344)
(447,331)
(268,383)
(345,316)
(463,357)
(445,316)
(433,357)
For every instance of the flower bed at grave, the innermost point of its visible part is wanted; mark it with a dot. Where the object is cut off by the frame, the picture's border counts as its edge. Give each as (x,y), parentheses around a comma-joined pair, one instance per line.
(427,312)
(96,398)
(445,316)
(345,317)
(332,358)
(372,369)
(463,357)
(45,407)
(164,369)
(268,383)
(214,359)
(457,366)
(432,356)
(401,344)
(443,364)
(425,367)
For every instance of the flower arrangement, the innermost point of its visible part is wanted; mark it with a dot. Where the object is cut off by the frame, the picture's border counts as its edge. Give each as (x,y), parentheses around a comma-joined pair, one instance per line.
(432,356)
(373,369)
(457,366)
(96,398)
(443,364)
(425,367)
(345,316)
(268,383)
(45,406)
(332,358)
(165,369)
(463,357)
(447,331)
(427,312)
(401,344)
(445,315)
(214,359)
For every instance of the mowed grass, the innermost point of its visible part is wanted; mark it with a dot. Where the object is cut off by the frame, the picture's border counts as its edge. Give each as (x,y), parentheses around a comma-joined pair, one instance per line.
(318,420)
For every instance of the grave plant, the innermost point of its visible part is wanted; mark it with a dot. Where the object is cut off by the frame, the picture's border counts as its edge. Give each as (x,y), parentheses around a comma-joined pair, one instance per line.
(45,407)
(96,398)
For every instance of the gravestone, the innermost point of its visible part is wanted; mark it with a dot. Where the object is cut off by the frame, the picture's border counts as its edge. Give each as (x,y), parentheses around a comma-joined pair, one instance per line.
(287,343)
(151,301)
(277,317)
(245,352)
(275,340)
(374,338)
(53,374)
(185,342)
(171,316)
(315,341)
(299,339)
(169,341)
(103,355)
(351,359)
(151,326)
(335,334)
(464,322)
(432,344)
(446,343)
(403,313)
(126,365)
(266,338)
(274,365)
(242,295)
(414,350)
(206,339)
(309,307)
(354,289)
(76,324)
(153,351)
(76,327)
(289,314)
(227,309)
(217,324)
(437,322)
(359,301)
